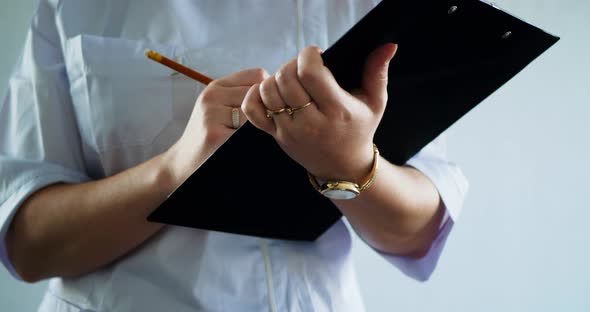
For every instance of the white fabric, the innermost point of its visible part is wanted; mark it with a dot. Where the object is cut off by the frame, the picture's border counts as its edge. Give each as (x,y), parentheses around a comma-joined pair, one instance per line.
(84,103)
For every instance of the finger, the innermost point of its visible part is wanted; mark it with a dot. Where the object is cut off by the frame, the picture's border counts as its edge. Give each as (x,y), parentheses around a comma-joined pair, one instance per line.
(224,115)
(317,80)
(271,99)
(246,77)
(235,95)
(376,74)
(224,96)
(255,111)
(289,86)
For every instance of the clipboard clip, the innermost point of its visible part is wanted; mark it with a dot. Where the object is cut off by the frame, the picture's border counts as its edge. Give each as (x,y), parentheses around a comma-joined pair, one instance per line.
(453,9)
(490,3)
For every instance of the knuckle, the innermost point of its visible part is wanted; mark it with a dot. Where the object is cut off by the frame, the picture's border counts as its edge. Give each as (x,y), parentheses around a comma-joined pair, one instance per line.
(282,75)
(314,48)
(305,50)
(344,115)
(310,50)
(248,108)
(215,82)
(307,74)
(267,85)
(209,95)
(259,73)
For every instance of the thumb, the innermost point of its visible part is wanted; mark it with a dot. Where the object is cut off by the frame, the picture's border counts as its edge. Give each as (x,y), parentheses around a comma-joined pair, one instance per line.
(375,74)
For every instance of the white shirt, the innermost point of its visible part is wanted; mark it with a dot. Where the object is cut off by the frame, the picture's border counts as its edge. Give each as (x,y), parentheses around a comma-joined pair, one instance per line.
(84,103)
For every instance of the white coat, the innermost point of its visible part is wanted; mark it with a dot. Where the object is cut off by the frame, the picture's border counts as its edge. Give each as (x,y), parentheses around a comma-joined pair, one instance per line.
(84,103)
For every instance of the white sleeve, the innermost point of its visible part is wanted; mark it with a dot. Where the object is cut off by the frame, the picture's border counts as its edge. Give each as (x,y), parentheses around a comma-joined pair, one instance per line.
(452,187)
(39,137)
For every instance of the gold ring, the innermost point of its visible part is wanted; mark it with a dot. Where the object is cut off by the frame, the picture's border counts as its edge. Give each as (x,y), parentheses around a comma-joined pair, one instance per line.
(270,113)
(291,111)
(235,118)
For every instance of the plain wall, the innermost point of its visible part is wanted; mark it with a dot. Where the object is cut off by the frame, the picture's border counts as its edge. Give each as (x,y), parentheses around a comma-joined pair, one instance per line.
(521,243)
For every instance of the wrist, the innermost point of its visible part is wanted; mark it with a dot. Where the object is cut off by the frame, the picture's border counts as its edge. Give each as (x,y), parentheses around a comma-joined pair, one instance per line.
(176,166)
(354,168)
(347,188)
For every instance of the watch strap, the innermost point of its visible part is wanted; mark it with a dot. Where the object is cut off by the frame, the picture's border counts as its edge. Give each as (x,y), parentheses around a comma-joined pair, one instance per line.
(368,181)
(363,185)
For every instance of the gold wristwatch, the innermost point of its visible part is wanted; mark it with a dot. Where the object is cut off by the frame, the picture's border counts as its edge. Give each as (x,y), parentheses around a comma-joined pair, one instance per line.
(335,189)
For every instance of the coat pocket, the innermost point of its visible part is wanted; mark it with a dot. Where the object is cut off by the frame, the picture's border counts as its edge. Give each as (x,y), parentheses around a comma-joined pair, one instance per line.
(121,97)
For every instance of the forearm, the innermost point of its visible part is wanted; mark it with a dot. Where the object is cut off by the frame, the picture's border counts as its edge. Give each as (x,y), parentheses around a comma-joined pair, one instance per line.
(67,230)
(399,214)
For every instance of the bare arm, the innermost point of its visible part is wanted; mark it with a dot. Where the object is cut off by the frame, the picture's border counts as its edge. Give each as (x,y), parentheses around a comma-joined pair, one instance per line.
(399,214)
(66,230)
(72,229)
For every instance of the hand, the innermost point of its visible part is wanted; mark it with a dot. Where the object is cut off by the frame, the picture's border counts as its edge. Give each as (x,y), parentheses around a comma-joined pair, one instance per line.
(333,136)
(210,124)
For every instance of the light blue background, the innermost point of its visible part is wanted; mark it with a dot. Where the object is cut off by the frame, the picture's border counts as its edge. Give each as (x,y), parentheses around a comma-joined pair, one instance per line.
(522,243)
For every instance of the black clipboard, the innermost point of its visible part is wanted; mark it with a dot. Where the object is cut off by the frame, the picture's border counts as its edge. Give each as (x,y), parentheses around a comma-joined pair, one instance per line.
(452,55)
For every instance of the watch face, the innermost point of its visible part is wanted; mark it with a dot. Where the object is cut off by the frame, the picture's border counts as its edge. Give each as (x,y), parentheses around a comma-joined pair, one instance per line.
(340,194)
(340,190)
